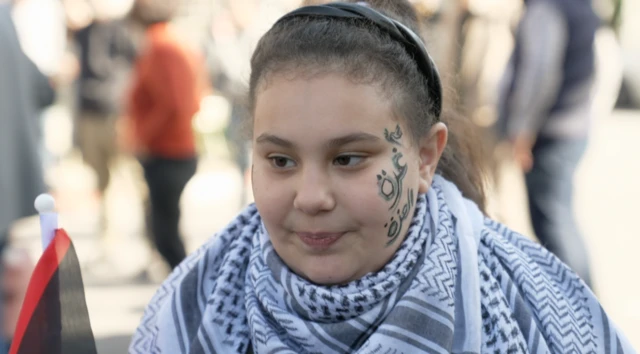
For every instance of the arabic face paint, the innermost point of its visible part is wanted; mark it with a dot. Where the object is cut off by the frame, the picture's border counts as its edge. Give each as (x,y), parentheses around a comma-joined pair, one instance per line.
(391,188)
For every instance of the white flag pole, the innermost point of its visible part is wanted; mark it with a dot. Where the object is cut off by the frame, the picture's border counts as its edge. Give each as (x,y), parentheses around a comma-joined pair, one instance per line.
(46,205)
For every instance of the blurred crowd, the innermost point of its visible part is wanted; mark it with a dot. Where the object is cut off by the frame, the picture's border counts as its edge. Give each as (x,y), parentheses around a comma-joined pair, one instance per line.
(155,79)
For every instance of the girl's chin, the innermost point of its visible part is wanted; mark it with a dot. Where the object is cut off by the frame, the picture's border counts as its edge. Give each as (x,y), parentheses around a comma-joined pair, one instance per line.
(327,275)
(328,280)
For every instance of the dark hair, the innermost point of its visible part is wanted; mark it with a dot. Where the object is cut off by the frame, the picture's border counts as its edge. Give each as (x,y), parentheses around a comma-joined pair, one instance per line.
(150,12)
(365,54)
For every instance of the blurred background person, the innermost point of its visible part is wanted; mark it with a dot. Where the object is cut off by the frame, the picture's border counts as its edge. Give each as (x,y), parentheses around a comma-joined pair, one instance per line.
(609,61)
(234,34)
(546,113)
(41,29)
(105,53)
(40,25)
(24,91)
(168,83)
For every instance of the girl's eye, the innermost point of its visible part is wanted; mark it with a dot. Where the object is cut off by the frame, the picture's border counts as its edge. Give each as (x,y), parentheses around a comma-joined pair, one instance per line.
(348,160)
(282,162)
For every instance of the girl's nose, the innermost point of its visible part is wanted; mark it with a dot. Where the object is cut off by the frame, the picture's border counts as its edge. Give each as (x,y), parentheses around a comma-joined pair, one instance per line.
(314,194)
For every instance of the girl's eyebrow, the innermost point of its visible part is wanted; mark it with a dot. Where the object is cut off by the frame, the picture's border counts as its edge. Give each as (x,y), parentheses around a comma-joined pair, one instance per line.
(352,138)
(275,140)
(333,143)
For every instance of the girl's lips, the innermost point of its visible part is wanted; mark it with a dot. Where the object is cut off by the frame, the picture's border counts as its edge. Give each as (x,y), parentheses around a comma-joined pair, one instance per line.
(319,240)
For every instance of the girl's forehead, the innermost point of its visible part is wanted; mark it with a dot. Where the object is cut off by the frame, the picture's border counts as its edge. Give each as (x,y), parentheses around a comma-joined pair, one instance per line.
(329,101)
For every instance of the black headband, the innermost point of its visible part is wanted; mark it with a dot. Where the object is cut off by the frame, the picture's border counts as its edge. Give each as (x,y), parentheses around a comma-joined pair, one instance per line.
(411,41)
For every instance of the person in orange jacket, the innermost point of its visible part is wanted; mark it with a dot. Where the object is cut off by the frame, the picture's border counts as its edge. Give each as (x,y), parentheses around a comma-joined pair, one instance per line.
(167,88)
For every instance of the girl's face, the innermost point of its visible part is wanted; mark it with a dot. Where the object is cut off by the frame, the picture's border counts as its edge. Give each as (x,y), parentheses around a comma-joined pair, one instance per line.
(335,175)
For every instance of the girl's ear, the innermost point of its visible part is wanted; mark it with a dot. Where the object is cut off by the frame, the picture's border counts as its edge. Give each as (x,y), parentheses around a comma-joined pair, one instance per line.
(430,148)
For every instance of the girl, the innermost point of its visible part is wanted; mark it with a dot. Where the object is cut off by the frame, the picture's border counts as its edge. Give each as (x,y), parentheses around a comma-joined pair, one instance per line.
(367,234)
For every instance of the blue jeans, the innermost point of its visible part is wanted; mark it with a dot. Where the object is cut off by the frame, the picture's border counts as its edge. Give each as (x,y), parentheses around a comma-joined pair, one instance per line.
(550,190)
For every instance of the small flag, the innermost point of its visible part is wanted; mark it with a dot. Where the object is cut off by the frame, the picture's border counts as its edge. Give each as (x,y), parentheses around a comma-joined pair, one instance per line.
(54,318)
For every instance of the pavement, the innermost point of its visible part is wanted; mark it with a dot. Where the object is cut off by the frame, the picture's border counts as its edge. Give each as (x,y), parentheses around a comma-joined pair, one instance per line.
(607,187)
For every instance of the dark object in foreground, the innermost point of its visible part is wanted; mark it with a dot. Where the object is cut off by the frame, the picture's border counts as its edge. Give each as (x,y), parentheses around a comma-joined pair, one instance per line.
(54,318)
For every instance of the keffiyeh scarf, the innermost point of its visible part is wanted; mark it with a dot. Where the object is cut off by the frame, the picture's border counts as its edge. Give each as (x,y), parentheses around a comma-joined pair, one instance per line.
(459,283)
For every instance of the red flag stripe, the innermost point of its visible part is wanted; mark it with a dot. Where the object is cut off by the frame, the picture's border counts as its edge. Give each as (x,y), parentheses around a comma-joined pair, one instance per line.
(44,270)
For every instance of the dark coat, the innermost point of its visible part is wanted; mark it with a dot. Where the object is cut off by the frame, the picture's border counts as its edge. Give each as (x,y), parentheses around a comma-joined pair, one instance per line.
(24,91)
